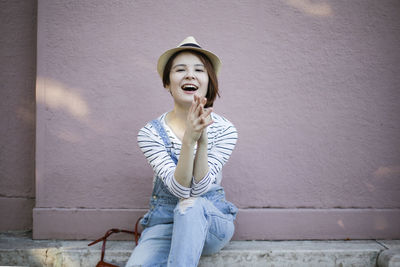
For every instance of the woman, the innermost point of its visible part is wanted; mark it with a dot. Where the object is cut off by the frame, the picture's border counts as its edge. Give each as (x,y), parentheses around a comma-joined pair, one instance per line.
(186,148)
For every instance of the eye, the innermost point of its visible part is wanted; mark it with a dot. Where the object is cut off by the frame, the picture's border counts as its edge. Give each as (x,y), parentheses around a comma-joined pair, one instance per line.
(200,70)
(180,70)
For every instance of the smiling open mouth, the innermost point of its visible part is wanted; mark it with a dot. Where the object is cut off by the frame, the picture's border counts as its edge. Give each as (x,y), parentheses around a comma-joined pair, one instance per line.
(189,87)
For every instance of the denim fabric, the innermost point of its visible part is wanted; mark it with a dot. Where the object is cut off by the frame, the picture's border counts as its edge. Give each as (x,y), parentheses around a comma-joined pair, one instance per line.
(177,232)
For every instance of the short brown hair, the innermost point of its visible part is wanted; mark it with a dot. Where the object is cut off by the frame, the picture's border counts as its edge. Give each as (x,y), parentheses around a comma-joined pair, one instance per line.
(212,89)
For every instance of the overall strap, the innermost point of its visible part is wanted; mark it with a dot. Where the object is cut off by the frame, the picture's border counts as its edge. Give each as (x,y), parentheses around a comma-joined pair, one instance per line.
(164,136)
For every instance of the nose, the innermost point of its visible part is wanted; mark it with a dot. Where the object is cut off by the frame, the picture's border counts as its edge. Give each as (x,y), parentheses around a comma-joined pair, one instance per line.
(189,75)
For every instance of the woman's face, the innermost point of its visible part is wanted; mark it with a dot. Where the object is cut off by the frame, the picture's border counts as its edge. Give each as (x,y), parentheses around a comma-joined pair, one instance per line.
(188,77)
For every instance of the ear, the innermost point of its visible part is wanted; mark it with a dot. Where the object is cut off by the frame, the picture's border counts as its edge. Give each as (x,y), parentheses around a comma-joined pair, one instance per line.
(168,88)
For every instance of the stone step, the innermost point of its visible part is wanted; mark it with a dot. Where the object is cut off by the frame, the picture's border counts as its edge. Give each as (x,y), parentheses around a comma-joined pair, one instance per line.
(21,250)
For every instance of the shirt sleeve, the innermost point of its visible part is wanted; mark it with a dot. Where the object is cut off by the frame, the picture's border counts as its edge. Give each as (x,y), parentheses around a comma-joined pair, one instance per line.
(157,155)
(223,144)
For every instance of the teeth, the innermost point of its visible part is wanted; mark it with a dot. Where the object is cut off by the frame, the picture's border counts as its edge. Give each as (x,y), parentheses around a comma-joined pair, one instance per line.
(189,87)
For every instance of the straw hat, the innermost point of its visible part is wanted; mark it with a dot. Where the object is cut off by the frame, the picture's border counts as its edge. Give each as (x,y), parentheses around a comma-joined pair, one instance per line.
(188,44)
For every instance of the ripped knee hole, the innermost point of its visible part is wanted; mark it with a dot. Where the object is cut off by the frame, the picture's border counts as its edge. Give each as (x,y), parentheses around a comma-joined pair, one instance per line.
(186,203)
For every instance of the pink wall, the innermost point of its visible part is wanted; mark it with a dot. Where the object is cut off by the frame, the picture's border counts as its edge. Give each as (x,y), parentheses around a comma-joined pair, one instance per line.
(312,86)
(17,109)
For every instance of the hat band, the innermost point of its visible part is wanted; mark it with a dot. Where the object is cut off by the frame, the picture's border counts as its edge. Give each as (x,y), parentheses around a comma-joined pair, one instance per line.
(191,44)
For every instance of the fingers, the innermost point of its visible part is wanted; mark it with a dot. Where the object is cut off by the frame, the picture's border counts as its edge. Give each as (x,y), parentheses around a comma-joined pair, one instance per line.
(199,115)
(203,101)
(206,118)
(198,105)
(199,110)
(207,112)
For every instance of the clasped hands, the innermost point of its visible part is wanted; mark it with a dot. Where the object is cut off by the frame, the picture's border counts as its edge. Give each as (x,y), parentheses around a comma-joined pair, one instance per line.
(198,119)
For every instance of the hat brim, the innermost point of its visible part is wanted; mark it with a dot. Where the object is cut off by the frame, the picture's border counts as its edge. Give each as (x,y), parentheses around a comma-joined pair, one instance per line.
(163,59)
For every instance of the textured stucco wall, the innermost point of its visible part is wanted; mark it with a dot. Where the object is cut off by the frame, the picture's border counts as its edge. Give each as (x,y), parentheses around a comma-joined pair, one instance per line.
(17,109)
(312,86)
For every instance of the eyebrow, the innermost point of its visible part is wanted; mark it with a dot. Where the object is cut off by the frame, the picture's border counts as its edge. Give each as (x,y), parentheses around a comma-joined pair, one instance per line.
(184,65)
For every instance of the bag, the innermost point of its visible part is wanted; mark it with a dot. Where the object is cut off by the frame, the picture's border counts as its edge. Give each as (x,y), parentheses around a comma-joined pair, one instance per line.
(102,263)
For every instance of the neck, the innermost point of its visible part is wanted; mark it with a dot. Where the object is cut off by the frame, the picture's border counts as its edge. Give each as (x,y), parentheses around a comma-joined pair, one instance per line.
(176,120)
(178,114)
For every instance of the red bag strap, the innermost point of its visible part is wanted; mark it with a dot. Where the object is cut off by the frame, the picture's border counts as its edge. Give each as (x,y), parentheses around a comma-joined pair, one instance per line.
(115,230)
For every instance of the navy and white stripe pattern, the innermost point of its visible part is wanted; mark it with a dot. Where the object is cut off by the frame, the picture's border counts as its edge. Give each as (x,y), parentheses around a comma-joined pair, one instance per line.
(222,137)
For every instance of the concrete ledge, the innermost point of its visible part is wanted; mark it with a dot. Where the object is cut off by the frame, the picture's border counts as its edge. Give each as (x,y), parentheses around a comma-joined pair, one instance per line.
(389,258)
(21,250)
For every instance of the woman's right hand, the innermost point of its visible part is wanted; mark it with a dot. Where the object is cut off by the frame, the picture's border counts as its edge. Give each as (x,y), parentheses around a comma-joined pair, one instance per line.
(197,121)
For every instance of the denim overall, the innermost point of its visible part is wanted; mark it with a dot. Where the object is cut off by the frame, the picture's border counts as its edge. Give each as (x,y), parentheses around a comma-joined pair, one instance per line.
(205,225)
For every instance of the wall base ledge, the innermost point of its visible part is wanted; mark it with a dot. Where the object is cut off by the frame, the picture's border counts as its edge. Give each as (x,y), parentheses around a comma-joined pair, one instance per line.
(251,224)
(16,213)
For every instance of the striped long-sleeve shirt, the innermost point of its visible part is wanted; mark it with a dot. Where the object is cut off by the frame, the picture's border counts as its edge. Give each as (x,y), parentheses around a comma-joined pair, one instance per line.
(222,137)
